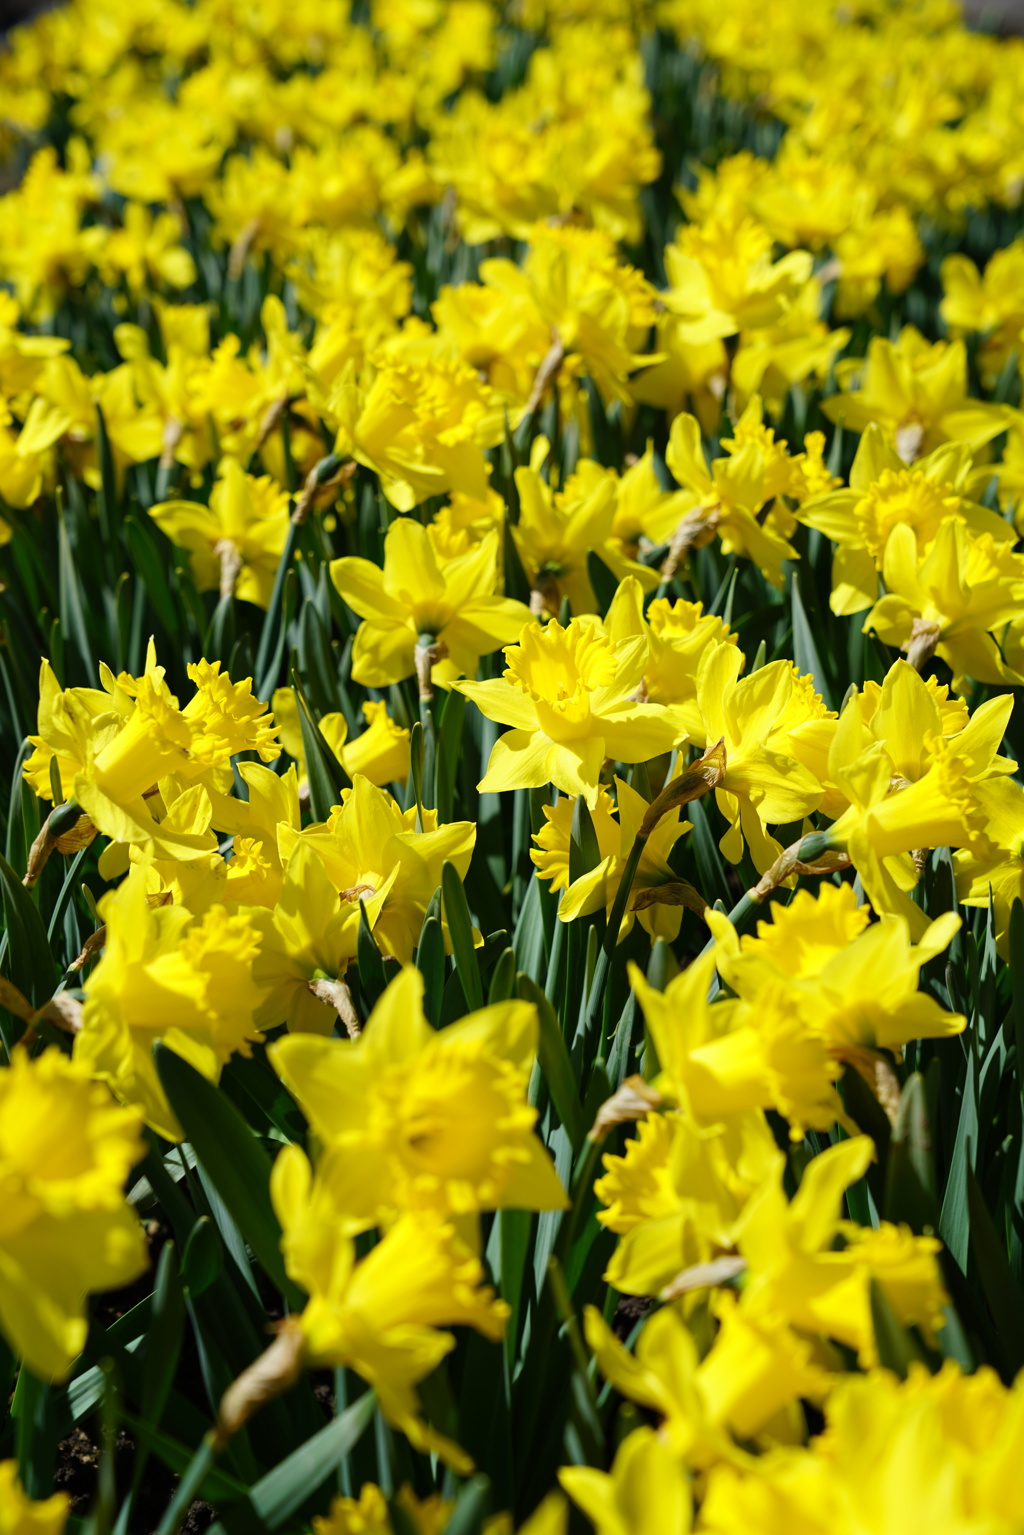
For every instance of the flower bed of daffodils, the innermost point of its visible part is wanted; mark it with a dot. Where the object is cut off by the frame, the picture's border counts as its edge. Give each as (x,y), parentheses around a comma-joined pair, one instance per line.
(512,967)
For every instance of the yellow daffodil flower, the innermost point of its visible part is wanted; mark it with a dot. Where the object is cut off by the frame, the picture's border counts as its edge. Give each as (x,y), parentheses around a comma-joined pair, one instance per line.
(596,310)
(115,747)
(910,716)
(369,1514)
(988,303)
(568,694)
(797,1273)
(353,282)
(309,938)
(26,454)
(689,376)
(236,542)
(161,407)
(889,817)
(765,1355)
(111,749)
(381,1315)
(380,752)
(883,494)
(723,1059)
(758,1373)
(677,634)
(574,139)
(886,246)
(764,783)
(412,1119)
(551,853)
(676,1194)
(951,600)
(995,869)
(784,473)
(645,512)
(21,1515)
(916,392)
(165,975)
(860,981)
(656,889)
(661,1376)
(225,719)
(66,1149)
(796,349)
(807,1007)
(421,425)
(558,529)
(722,278)
(727,499)
(646,1492)
(40,227)
(465,521)
(145,249)
(418,594)
(496,327)
(258,826)
(935,1449)
(23,357)
(197,882)
(371,849)
(768,1368)
(953,713)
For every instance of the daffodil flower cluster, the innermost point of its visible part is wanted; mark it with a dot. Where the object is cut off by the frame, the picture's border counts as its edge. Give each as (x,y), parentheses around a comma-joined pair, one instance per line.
(513,879)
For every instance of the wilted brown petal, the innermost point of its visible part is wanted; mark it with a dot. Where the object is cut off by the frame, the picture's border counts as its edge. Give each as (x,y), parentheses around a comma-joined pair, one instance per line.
(634,1099)
(702,1276)
(695,781)
(274,1372)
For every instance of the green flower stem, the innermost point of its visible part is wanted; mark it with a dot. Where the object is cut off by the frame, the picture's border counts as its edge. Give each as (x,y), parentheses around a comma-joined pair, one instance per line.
(268,633)
(604,959)
(187,1490)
